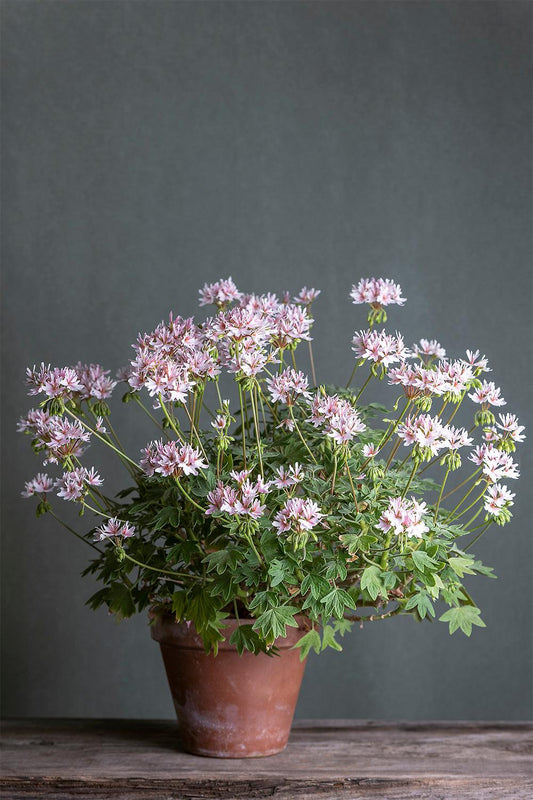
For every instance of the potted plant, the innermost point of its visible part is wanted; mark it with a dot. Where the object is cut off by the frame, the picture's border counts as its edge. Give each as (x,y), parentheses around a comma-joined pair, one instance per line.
(259,528)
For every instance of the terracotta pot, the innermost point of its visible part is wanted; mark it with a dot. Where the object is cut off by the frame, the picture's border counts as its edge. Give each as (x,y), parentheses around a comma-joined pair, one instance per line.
(230,706)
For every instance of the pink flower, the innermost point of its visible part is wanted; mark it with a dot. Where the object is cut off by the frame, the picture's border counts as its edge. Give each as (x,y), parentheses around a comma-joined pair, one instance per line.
(380,347)
(454,376)
(41,484)
(114,527)
(496,464)
(404,516)
(454,438)
(306,296)
(171,459)
(60,382)
(288,477)
(510,427)
(219,423)
(220,293)
(377,292)
(425,431)
(298,515)
(496,498)
(57,436)
(417,380)
(241,501)
(428,347)
(291,325)
(95,381)
(479,363)
(72,485)
(288,386)
(487,394)
(370,450)
(337,416)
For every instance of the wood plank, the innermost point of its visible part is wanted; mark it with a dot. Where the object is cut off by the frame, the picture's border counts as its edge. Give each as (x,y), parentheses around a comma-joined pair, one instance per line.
(127,759)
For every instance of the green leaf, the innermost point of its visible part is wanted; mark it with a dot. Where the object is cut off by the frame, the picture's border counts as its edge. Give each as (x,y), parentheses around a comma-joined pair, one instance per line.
(422,561)
(221,560)
(463,617)
(179,604)
(328,638)
(245,638)
(272,623)
(170,515)
(422,603)
(342,626)
(335,602)
(371,581)
(279,572)
(317,585)
(462,565)
(120,601)
(481,569)
(311,641)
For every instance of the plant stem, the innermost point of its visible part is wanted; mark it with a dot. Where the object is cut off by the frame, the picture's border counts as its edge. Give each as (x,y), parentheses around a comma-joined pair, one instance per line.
(411,476)
(363,387)
(352,375)
(170,420)
(146,411)
(311,359)
(298,431)
(334,473)
(77,535)
(473,503)
(440,495)
(448,494)
(460,503)
(351,482)
(157,569)
(103,439)
(242,426)
(474,540)
(189,498)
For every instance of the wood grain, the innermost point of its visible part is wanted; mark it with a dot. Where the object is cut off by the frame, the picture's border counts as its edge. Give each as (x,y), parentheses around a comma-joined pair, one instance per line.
(137,760)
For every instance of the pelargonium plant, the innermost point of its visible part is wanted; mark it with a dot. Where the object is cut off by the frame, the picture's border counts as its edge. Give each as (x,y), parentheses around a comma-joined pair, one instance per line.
(291,500)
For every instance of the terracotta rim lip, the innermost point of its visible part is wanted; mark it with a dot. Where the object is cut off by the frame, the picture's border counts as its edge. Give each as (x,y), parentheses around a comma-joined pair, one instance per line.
(165,630)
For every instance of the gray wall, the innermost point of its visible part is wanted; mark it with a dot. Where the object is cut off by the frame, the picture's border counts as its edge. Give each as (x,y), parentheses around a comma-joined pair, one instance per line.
(151,146)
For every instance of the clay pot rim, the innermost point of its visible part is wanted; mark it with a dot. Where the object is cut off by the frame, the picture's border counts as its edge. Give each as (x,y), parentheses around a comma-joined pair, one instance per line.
(165,630)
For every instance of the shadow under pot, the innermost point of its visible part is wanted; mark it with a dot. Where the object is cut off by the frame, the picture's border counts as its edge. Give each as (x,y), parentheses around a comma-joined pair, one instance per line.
(230,706)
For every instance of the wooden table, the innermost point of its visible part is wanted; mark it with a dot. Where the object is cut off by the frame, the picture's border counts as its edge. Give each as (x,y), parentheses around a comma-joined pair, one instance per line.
(136,760)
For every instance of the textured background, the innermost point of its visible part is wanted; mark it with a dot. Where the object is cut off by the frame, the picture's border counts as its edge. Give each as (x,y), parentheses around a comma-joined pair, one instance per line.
(151,146)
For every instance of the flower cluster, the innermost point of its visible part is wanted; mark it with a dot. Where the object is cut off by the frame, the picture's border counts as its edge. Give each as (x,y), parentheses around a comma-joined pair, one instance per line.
(73,484)
(403,516)
(172,459)
(242,499)
(487,395)
(430,436)
(114,528)
(377,292)
(379,347)
(298,516)
(84,381)
(337,417)
(58,437)
(428,349)
(497,500)
(220,293)
(495,463)
(288,386)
